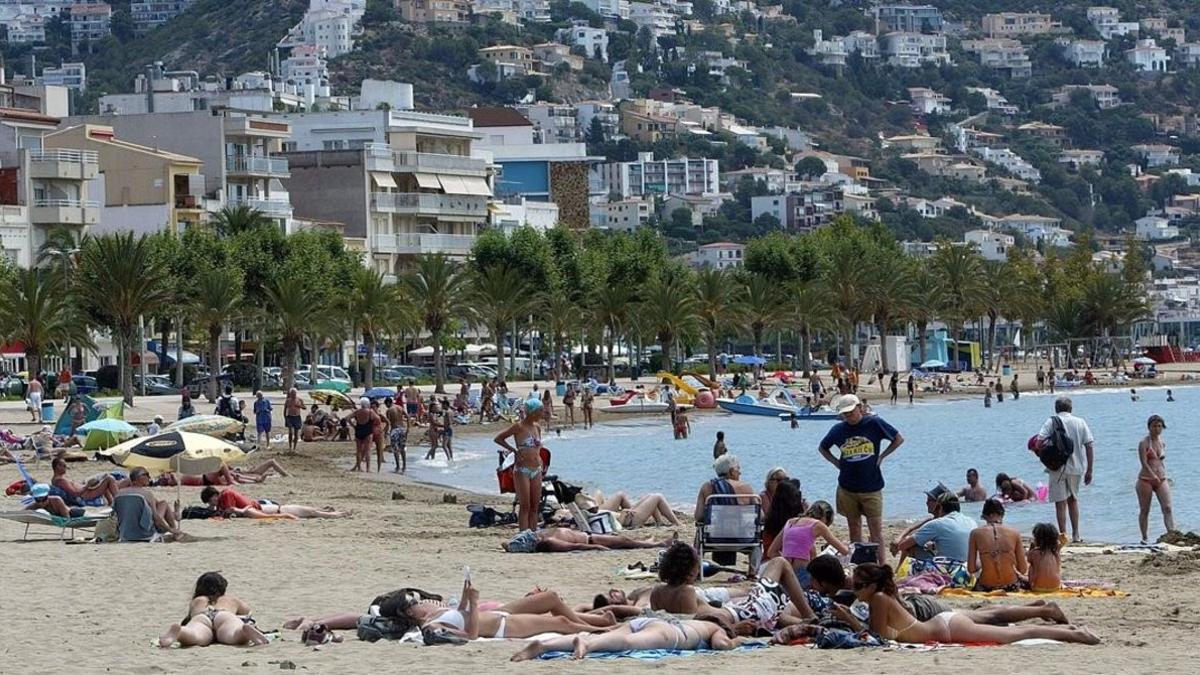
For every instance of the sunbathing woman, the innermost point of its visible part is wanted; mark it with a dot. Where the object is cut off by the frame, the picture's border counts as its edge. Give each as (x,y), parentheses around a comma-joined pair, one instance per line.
(1014,489)
(639,633)
(214,617)
(652,507)
(518,619)
(797,543)
(235,504)
(875,585)
(227,476)
(564,540)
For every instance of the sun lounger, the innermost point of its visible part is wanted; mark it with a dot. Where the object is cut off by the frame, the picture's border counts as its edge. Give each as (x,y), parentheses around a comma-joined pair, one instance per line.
(43,519)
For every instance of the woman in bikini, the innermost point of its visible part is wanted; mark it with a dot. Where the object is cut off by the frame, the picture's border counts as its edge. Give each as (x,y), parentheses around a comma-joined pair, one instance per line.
(639,633)
(875,585)
(585,400)
(1014,489)
(797,542)
(528,469)
(569,404)
(214,617)
(995,552)
(1152,479)
(363,420)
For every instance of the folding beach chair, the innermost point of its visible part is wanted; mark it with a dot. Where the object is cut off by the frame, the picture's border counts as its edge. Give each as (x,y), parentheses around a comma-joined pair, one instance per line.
(732,526)
(135,520)
(43,519)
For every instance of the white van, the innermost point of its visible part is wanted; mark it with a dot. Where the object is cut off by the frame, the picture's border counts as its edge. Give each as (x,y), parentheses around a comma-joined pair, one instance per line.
(335,373)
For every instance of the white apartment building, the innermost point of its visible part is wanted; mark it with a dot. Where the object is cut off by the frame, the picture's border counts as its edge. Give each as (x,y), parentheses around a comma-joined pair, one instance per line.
(648,176)
(863,43)
(1147,57)
(1008,24)
(1004,54)
(150,14)
(408,182)
(658,18)
(830,52)
(926,101)
(1080,158)
(720,255)
(89,23)
(622,215)
(1188,54)
(1154,228)
(1084,53)
(995,100)
(1104,95)
(1107,21)
(1157,154)
(593,40)
(911,50)
(329,25)
(513,214)
(70,75)
(306,66)
(1010,162)
(609,9)
(992,245)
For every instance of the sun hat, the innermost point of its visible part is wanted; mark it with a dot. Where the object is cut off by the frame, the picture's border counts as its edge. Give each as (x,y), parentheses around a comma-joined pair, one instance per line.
(532,405)
(938,490)
(845,404)
(40,491)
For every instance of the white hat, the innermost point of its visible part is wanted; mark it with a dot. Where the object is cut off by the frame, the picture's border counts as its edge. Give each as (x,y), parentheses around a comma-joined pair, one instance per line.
(845,404)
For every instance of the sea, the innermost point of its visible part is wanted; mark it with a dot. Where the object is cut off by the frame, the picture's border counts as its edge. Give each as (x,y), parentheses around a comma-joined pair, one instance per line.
(943,439)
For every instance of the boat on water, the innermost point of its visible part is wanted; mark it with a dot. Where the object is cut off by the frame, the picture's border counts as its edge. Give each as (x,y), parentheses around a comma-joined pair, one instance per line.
(640,404)
(779,402)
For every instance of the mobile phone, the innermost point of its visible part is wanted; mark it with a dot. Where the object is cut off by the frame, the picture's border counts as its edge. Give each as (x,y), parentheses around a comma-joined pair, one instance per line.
(466,574)
(845,597)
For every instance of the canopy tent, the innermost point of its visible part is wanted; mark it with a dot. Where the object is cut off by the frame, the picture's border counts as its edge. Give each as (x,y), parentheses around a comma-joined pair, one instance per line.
(100,439)
(90,412)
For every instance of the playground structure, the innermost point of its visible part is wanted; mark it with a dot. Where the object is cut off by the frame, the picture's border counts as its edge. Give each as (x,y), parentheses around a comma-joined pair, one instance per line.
(692,391)
(960,355)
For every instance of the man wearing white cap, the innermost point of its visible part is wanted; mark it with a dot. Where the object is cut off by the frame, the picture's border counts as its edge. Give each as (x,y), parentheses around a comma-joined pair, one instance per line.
(44,501)
(860,482)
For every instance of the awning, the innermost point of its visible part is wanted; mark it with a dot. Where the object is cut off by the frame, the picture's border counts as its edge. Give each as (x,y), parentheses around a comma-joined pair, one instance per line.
(428,180)
(476,186)
(453,185)
(383,179)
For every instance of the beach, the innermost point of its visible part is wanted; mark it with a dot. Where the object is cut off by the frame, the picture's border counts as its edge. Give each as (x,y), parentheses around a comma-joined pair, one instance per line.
(89,608)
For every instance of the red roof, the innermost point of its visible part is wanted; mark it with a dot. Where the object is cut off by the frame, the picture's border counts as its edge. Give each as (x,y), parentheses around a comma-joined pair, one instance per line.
(27,116)
(497,117)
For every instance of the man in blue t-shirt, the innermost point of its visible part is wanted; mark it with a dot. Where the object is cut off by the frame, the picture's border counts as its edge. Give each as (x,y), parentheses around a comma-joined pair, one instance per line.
(860,482)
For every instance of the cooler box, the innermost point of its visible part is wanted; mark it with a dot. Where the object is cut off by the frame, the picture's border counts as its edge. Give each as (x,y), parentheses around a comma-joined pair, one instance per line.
(47,412)
(560,389)
(1006,370)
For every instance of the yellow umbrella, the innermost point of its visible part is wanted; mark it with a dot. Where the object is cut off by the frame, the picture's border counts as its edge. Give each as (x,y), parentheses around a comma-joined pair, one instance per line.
(179,451)
(210,425)
(332,398)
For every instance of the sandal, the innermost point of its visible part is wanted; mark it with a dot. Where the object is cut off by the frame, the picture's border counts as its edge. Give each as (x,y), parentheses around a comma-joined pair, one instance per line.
(318,634)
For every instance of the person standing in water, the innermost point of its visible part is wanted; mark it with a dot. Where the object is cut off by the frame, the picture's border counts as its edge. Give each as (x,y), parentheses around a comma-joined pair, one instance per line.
(1152,479)
(1014,389)
(894,386)
(719,447)
(987,398)
(912,387)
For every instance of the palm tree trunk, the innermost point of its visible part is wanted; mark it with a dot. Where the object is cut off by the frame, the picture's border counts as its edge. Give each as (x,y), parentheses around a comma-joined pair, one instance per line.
(992,317)
(439,367)
(127,367)
(162,345)
(179,353)
(260,358)
(805,350)
(921,339)
(369,341)
(214,357)
(712,356)
(612,372)
(498,336)
(289,363)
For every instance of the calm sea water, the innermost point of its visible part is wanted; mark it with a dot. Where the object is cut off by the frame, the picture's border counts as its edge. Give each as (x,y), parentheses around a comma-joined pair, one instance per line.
(944,439)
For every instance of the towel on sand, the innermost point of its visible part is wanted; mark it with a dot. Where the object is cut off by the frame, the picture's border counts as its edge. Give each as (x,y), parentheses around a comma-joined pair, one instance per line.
(651,654)
(1089,592)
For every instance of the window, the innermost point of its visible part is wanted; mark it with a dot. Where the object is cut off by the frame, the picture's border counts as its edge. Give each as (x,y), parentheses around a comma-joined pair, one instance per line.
(289,146)
(333,145)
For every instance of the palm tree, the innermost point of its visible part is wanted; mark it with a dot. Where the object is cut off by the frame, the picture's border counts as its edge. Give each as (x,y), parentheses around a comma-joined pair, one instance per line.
(813,313)
(997,298)
(36,314)
(296,313)
(610,306)
(670,308)
(560,315)
(440,294)
(372,305)
(500,296)
(1107,304)
(762,303)
(845,280)
(59,250)
(959,284)
(241,218)
(121,282)
(890,289)
(718,305)
(921,312)
(216,297)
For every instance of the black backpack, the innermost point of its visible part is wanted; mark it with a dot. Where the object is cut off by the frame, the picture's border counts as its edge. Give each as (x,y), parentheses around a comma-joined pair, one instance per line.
(225,406)
(1057,448)
(376,628)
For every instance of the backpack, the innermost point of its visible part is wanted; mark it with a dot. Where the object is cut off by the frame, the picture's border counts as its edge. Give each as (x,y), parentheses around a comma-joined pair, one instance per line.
(376,628)
(225,406)
(1057,448)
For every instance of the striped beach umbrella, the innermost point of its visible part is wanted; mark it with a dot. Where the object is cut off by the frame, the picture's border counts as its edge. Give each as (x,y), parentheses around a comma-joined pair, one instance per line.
(178,451)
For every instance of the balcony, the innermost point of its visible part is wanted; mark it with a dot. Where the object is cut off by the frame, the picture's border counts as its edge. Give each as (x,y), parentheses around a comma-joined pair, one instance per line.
(64,212)
(380,157)
(60,164)
(13,215)
(416,244)
(275,208)
(422,204)
(257,166)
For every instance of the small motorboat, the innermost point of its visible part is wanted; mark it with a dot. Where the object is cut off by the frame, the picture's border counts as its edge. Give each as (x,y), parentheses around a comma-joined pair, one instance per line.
(640,404)
(779,402)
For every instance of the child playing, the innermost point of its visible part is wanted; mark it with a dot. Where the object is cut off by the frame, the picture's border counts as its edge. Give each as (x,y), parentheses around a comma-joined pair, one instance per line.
(1045,572)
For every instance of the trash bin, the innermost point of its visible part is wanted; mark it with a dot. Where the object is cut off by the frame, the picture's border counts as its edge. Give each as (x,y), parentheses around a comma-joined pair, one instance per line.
(47,412)
(1006,370)
(560,389)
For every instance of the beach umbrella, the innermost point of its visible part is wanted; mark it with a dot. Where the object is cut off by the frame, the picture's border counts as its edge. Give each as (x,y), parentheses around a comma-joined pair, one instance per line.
(109,424)
(380,392)
(90,412)
(933,363)
(750,360)
(1144,361)
(100,439)
(178,451)
(332,398)
(211,425)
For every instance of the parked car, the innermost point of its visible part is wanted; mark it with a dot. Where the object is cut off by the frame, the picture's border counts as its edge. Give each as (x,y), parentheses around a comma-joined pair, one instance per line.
(407,373)
(330,377)
(84,384)
(156,385)
(199,386)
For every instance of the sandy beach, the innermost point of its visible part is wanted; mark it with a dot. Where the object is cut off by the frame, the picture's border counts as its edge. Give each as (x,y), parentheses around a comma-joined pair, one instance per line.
(97,607)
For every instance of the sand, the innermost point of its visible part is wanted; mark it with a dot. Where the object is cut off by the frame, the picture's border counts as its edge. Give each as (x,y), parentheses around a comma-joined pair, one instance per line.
(95,608)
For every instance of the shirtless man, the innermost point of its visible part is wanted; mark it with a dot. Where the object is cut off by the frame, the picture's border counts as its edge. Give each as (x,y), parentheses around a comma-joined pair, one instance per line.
(994,552)
(564,540)
(398,436)
(973,492)
(412,400)
(103,487)
(165,518)
(44,501)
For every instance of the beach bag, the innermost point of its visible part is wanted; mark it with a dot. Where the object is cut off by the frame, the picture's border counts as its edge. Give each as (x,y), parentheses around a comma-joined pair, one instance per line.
(864,553)
(833,638)
(1057,448)
(376,628)
(602,523)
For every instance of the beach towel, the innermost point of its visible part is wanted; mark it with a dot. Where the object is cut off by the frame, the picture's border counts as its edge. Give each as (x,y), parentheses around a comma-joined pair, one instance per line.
(652,654)
(1088,592)
(635,574)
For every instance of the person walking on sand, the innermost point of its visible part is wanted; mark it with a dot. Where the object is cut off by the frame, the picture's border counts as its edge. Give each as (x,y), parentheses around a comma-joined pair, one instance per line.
(1014,389)
(858,438)
(1050,379)
(34,398)
(398,436)
(1041,380)
(262,420)
(293,410)
(1152,479)
(363,420)
(569,405)
(1065,482)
